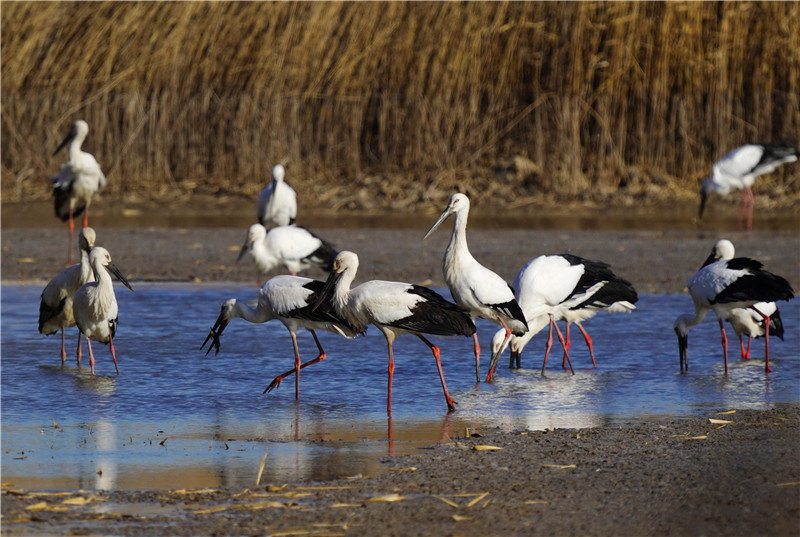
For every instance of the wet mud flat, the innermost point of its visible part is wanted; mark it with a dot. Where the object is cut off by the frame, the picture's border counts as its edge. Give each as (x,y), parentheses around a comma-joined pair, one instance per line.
(654,261)
(714,473)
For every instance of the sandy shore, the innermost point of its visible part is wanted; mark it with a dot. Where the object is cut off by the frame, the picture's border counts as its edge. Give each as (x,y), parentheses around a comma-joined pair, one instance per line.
(681,477)
(654,261)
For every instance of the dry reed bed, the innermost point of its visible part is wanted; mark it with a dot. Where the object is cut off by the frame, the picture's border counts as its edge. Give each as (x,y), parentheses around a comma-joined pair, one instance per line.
(498,99)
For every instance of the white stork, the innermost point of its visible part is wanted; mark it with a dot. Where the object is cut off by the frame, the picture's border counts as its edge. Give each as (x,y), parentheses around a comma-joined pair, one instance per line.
(563,287)
(395,308)
(78,180)
(290,300)
(738,171)
(479,291)
(749,322)
(55,308)
(95,305)
(725,283)
(294,247)
(277,203)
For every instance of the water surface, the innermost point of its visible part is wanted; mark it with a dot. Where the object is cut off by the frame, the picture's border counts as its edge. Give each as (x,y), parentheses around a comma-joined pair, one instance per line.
(175,418)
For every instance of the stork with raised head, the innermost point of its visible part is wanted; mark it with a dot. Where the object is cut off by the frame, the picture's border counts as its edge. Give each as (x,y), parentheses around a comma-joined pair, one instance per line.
(289,299)
(55,308)
(95,304)
(738,171)
(749,322)
(294,247)
(479,291)
(277,203)
(395,308)
(723,284)
(563,287)
(78,180)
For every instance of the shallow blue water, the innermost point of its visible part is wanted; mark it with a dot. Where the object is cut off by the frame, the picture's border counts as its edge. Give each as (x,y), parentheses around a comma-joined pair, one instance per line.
(218,426)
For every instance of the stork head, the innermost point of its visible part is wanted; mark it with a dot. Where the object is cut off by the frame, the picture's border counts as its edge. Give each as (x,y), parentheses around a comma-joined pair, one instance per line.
(86,239)
(345,261)
(79,130)
(225,316)
(681,327)
(256,233)
(459,203)
(278,172)
(100,258)
(723,249)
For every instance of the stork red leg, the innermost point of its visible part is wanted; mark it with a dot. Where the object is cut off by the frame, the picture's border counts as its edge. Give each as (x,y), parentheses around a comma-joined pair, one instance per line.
(567,345)
(86,216)
(724,344)
(450,403)
(113,354)
(548,345)
(391,375)
(563,344)
(91,355)
(277,380)
(766,340)
(79,354)
(63,350)
(296,367)
(741,344)
(749,341)
(477,347)
(588,343)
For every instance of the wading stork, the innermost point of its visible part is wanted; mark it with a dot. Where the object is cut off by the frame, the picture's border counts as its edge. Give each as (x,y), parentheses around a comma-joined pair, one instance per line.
(738,171)
(395,308)
(563,287)
(479,291)
(723,284)
(95,304)
(290,300)
(55,308)
(78,180)
(749,322)
(294,247)
(277,203)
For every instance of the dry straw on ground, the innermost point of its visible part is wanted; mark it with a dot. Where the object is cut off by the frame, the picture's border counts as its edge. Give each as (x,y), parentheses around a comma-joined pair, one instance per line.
(390,104)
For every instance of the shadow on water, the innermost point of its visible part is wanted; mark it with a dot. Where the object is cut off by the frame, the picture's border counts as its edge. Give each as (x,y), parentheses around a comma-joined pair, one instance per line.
(174,418)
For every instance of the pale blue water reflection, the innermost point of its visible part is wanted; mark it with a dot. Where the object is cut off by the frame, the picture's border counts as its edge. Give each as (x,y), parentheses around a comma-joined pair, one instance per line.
(175,418)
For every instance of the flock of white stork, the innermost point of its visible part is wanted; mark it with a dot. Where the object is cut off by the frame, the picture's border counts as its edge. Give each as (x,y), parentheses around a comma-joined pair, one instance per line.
(548,289)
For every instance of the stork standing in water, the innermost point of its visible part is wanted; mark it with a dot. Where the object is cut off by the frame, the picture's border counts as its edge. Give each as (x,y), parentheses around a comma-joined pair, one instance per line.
(277,203)
(723,284)
(294,247)
(563,287)
(290,300)
(78,180)
(95,305)
(395,308)
(738,171)
(749,322)
(478,290)
(55,308)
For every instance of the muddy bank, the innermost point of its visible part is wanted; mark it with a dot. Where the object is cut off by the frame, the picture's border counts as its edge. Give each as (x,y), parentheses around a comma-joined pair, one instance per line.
(654,261)
(684,476)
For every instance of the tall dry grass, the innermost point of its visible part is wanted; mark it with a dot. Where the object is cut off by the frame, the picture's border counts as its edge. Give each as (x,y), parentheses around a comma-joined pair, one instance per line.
(601,98)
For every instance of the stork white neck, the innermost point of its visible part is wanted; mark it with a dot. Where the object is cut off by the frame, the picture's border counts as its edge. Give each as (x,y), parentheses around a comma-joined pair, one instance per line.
(257,315)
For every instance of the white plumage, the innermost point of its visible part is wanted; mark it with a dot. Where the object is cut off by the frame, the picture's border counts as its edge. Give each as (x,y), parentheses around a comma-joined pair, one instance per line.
(395,308)
(294,247)
(738,171)
(288,299)
(475,288)
(563,287)
(95,304)
(55,307)
(277,203)
(725,283)
(78,180)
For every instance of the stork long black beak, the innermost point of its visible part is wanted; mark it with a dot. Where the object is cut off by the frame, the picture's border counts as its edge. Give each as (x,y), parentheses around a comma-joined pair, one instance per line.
(703,198)
(683,350)
(712,258)
(65,141)
(496,358)
(116,272)
(333,277)
(244,250)
(447,212)
(216,333)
